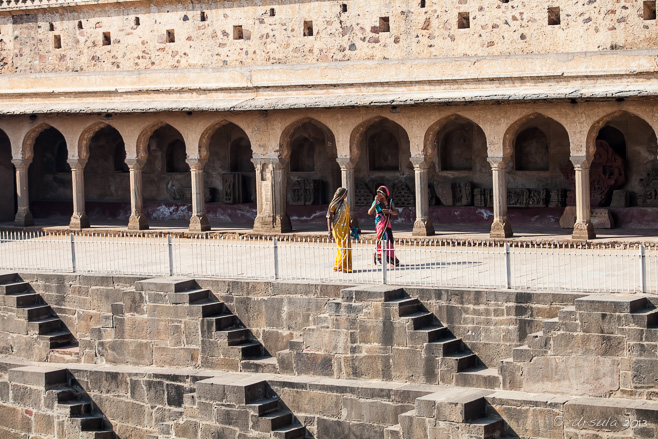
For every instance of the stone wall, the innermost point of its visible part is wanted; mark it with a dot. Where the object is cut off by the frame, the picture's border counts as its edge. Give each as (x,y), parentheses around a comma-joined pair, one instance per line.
(172,36)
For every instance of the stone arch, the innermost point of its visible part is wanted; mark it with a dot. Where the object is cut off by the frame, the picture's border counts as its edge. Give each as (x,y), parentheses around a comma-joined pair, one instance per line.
(625,145)
(509,138)
(164,181)
(27,149)
(7,180)
(49,174)
(310,149)
(388,139)
(433,133)
(106,172)
(229,174)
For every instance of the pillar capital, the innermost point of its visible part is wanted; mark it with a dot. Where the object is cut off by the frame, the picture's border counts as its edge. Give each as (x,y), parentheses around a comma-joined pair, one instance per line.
(581,161)
(21,164)
(135,163)
(77,163)
(345,163)
(420,162)
(196,164)
(498,162)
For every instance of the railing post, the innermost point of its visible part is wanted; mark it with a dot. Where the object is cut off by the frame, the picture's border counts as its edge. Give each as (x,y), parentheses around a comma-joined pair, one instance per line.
(384,263)
(643,268)
(73,252)
(508,268)
(170,246)
(275,247)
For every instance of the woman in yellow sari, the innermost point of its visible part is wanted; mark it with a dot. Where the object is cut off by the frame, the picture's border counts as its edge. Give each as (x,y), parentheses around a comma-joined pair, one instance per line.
(338,220)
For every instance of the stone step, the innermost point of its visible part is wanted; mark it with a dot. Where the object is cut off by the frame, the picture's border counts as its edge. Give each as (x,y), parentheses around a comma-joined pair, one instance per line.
(89,422)
(452,405)
(264,364)
(233,336)
(189,296)
(45,376)
(418,320)
(427,334)
(485,428)
(375,293)
(611,303)
(479,376)
(75,408)
(57,339)
(34,312)
(23,299)
(538,340)
(296,345)
(15,288)
(462,360)
(249,349)
(443,347)
(403,306)
(102,434)
(45,326)
(524,354)
(224,321)
(393,432)
(206,309)
(166,284)
(550,326)
(567,314)
(65,394)
(271,421)
(646,318)
(8,278)
(232,388)
(293,431)
(264,406)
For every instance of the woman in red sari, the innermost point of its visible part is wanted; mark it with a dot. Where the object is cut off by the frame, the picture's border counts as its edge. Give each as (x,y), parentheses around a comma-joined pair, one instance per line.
(383,208)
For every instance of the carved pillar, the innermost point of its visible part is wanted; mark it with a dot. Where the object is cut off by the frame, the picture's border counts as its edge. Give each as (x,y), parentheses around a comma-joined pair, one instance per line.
(423,224)
(23,215)
(271,177)
(501,228)
(79,219)
(199,220)
(137,219)
(583,229)
(347,181)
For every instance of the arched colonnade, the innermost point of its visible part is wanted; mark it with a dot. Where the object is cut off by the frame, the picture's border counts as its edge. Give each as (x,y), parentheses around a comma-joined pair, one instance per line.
(265,152)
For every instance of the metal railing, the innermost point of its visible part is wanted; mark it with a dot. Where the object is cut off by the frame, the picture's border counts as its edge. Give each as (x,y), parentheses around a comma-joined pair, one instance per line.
(597,267)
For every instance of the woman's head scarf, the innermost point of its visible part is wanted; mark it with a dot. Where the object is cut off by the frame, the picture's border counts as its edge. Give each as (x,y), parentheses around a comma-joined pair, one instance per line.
(384,190)
(338,198)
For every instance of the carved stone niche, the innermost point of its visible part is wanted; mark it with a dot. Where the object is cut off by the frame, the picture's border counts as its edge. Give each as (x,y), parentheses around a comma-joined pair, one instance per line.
(233,188)
(304,191)
(454,193)
(482,197)
(648,197)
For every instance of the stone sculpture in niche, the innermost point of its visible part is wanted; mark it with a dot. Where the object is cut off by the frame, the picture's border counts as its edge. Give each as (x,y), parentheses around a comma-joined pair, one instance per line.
(462,194)
(649,195)
(233,190)
(304,191)
(606,174)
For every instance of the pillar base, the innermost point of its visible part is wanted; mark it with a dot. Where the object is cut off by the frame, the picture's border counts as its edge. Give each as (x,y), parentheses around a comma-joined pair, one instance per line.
(137,222)
(79,222)
(583,231)
(272,225)
(423,228)
(501,230)
(23,219)
(199,223)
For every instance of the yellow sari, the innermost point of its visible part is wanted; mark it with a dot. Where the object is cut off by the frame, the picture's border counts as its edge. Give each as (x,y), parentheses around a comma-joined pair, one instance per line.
(341,232)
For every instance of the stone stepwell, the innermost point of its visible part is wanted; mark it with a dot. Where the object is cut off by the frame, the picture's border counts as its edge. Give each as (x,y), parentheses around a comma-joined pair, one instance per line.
(196,358)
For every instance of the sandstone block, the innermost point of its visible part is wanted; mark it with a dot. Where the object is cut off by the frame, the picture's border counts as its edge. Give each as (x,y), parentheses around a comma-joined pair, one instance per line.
(379,293)
(126,351)
(611,303)
(589,344)
(45,377)
(26,395)
(373,411)
(453,405)
(310,363)
(165,284)
(16,419)
(342,429)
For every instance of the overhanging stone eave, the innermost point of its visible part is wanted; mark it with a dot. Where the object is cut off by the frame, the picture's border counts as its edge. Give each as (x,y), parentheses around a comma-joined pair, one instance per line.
(101,105)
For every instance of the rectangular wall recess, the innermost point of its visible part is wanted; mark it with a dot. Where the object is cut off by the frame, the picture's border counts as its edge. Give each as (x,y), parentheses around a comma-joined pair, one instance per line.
(463,20)
(554,16)
(649,12)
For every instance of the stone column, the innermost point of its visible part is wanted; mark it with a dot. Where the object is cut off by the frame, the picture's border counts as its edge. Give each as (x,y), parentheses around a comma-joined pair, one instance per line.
(271,179)
(583,229)
(199,220)
(137,219)
(347,181)
(79,219)
(423,224)
(23,215)
(501,228)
